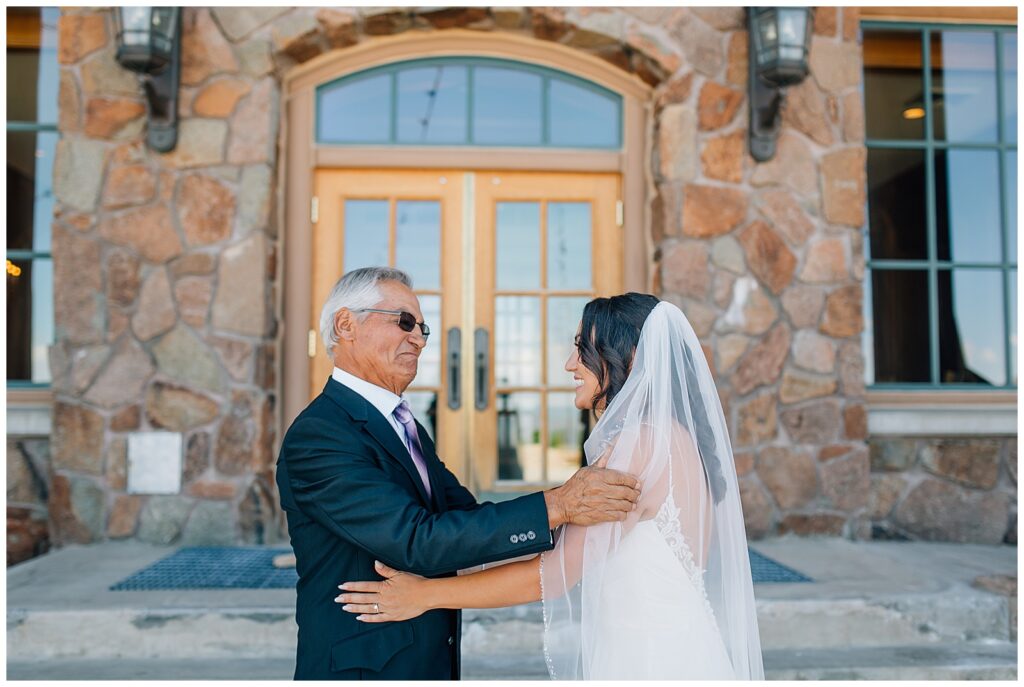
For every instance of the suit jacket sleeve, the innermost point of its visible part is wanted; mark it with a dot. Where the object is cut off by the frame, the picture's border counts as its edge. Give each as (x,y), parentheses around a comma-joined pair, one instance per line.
(456,495)
(349,494)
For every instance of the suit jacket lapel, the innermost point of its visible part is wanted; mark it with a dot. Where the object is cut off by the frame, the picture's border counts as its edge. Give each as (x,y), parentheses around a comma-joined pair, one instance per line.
(379,428)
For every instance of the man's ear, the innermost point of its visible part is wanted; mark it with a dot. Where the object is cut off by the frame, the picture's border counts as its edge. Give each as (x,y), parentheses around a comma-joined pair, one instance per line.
(345,325)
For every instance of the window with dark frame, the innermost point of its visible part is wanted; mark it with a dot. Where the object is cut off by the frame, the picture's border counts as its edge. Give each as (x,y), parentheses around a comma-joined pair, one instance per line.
(941,121)
(32,78)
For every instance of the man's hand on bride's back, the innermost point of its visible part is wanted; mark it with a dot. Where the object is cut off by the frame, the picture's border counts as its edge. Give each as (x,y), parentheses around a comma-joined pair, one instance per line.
(594,494)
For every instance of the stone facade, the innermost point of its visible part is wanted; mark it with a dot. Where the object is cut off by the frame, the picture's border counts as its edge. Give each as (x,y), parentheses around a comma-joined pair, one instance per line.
(166,277)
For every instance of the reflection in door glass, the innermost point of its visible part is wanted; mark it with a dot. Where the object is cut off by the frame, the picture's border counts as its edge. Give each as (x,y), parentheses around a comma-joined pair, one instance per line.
(430,359)
(967,212)
(971,335)
(520,454)
(506,107)
(964,81)
(424,408)
(432,104)
(418,241)
(366,233)
(517,341)
(566,428)
(518,246)
(356,111)
(569,246)
(563,318)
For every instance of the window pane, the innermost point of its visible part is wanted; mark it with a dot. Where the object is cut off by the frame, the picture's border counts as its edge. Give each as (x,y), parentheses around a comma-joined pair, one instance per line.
(506,107)
(430,359)
(418,241)
(29,319)
(899,302)
(516,341)
(563,320)
(366,233)
(964,85)
(580,116)
(356,111)
(517,249)
(967,213)
(569,246)
(1010,87)
(432,104)
(896,204)
(566,428)
(30,189)
(1012,276)
(520,454)
(893,84)
(1010,189)
(424,407)
(971,334)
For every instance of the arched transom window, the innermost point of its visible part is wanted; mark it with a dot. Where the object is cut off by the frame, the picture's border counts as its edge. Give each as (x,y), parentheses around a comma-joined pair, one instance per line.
(468,101)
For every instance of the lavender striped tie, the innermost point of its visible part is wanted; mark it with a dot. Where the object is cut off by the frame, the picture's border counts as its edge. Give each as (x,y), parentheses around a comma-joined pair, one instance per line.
(404,415)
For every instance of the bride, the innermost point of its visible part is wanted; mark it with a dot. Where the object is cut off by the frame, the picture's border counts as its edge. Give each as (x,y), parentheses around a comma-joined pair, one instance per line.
(667,594)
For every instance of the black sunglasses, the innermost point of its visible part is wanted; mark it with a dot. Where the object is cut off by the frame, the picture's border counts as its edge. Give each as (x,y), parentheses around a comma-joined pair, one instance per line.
(406,320)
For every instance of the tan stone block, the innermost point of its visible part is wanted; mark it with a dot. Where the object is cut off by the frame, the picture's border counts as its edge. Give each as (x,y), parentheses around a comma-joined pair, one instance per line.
(744,462)
(239,22)
(252,126)
(69,524)
(793,166)
(851,23)
(117,323)
(148,230)
(77,439)
(971,462)
(816,422)
(757,509)
(124,377)
(210,489)
(738,71)
(123,279)
(676,90)
(240,304)
(803,304)
(155,314)
(721,288)
(339,27)
(843,312)
(721,18)
(193,296)
(197,456)
(885,492)
(846,482)
(385,21)
(815,524)
(717,105)
(206,210)
(78,173)
(684,269)
(177,408)
(762,364)
(69,102)
(727,253)
(298,35)
(768,258)
(851,369)
(936,510)
(813,352)
(218,99)
(124,516)
(105,117)
(712,210)
(703,49)
(723,157)
(80,34)
(79,221)
(204,50)
(103,75)
(826,262)
(548,23)
(759,312)
(835,66)
(76,311)
(125,419)
(805,110)
(128,185)
(184,357)
(791,476)
(677,143)
(855,421)
(785,214)
(730,348)
(236,356)
(853,117)
(85,363)
(508,18)
(757,420)
(650,44)
(825,19)
(800,386)
(234,451)
(193,263)
(844,178)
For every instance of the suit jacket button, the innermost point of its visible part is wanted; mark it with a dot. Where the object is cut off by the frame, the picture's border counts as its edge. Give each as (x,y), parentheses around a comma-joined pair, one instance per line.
(514,539)
(451,641)
(530,535)
(522,536)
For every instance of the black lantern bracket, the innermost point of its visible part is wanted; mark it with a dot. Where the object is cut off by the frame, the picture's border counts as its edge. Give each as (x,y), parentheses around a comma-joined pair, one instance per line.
(773,64)
(154,53)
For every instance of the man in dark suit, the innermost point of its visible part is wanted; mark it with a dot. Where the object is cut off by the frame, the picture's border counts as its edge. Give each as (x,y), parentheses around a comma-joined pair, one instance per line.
(360,481)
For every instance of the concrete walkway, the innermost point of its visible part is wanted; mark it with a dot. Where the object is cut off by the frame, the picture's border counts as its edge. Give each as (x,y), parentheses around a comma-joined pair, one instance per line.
(875,610)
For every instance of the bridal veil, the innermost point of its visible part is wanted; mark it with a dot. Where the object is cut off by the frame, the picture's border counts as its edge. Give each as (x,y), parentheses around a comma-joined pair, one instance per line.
(667,427)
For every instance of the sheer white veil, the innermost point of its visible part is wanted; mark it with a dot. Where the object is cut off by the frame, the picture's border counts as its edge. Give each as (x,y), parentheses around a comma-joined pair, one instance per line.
(667,427)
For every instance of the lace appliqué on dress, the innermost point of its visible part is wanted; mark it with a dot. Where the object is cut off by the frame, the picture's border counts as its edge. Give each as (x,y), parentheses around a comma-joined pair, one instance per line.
(667,521)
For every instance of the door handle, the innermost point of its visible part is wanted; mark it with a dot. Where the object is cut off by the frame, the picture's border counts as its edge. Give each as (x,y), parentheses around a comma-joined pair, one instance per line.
(454,368)
(481,372)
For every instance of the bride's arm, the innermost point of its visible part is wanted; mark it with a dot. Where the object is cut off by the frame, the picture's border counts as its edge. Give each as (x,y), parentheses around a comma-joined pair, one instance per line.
(403,595)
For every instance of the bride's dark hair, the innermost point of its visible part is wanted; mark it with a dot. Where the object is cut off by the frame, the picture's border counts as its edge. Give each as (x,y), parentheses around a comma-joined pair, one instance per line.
(609,334)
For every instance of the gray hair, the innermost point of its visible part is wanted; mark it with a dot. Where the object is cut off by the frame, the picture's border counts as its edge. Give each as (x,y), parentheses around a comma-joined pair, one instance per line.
(356,290)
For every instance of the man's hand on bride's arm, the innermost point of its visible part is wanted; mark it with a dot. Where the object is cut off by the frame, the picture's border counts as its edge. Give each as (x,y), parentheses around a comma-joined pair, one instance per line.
(400,596)
(592,495)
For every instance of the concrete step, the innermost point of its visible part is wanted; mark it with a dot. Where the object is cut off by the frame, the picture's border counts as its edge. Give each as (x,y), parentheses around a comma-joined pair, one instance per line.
(966,661)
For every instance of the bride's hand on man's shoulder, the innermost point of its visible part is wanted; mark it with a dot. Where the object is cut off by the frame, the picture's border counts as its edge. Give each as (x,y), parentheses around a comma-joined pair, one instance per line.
(398,597)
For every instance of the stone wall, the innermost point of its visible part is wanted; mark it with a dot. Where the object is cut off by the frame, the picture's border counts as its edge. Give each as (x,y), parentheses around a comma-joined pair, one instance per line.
(960,489)
(28,488)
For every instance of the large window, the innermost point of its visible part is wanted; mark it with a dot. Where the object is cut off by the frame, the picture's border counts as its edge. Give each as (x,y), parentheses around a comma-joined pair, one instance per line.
(468,101)
(941,117)
(31,143)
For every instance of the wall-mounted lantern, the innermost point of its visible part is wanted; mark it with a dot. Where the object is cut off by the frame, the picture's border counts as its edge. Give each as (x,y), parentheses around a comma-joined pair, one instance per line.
(149,43)
(780,40)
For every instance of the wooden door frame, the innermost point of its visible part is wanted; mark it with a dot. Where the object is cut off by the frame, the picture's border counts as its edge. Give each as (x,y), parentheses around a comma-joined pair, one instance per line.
(301,156)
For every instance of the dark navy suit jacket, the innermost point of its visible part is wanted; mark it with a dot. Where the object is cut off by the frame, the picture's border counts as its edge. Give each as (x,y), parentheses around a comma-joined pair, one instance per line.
(352,495)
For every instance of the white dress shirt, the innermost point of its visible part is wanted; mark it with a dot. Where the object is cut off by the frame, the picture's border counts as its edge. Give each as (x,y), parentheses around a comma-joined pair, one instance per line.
(379,397)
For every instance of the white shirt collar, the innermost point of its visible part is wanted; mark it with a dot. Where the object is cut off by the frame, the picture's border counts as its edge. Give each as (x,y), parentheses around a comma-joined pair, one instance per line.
(379,397)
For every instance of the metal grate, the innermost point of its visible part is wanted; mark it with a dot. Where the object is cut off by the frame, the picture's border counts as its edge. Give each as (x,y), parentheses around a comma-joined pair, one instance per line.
(222,567)
(764,569)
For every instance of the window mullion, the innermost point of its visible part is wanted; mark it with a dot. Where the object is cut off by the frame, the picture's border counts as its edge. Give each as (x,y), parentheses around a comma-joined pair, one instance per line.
(930,220)
(1003,212)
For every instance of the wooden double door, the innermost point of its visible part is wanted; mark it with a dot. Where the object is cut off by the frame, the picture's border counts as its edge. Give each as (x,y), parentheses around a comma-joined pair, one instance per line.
(502,264)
